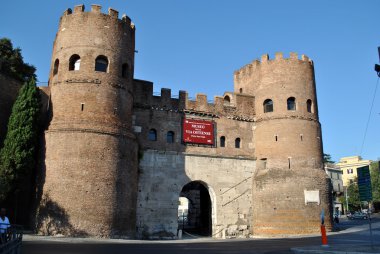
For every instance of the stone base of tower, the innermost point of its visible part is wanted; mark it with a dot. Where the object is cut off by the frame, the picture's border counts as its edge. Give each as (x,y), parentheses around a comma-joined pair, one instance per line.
(280,202)
(89,185)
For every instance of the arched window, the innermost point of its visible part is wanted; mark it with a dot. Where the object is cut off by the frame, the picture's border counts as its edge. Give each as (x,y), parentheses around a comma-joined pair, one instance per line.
(291,102)
(170,137)
(237,143)
(227,100)
(124,70)
(222,141)
(101,64)
(268,105)
(241,90)
(152,135)
(309,105)
(55,68)
(74,63)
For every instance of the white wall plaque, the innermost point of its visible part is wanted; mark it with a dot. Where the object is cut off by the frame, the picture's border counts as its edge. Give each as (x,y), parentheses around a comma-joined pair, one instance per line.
(312,196)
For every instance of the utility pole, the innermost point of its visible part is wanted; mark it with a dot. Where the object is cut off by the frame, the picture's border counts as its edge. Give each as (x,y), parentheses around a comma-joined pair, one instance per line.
(377,66)
(346,200)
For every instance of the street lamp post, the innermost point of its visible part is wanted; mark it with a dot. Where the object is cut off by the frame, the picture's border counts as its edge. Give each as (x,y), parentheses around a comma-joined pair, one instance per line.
(346,192)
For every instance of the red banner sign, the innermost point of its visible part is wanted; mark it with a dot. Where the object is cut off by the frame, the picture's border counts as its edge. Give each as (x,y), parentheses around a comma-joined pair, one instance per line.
(198,131)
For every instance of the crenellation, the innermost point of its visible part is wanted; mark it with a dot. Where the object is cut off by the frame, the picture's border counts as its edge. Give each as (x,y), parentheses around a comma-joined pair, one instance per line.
(127,20)
(78,8)
(67,12)
(182,98)
(264,58)
(218,102)
(201,102)
(96,8)
(293,55)
(279,56)
(166,97)
(113,13)
(306,59)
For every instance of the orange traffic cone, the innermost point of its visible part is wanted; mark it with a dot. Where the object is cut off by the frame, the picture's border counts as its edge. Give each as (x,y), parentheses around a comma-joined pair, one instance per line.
(324,236)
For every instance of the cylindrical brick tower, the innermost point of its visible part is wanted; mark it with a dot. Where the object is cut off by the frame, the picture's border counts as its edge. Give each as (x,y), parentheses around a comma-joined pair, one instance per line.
(91,154)
(290,188)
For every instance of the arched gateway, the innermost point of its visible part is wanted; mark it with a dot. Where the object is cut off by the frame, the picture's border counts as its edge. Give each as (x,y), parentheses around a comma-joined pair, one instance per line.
(195,209)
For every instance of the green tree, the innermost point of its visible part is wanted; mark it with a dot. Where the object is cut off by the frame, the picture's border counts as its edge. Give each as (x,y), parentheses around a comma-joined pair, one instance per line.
(327,158)
(18,155)
(12,63)
(353,197)
(375,181)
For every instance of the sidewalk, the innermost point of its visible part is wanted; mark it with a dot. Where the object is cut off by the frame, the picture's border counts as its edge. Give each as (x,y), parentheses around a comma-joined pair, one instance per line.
(345,248)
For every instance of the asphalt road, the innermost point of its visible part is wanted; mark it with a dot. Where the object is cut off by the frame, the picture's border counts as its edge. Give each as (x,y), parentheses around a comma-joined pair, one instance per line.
(231,246)
(353,234)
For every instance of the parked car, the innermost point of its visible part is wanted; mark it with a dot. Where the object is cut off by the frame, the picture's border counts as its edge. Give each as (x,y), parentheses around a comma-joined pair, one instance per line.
(357,216)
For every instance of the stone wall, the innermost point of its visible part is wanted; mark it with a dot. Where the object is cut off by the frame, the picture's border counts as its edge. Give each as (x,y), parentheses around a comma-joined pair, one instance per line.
(81,197)
(279,206)
(162,175)
(89,176)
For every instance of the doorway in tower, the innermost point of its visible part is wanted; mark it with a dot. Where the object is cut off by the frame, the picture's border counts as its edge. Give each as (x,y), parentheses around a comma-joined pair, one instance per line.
(194,209)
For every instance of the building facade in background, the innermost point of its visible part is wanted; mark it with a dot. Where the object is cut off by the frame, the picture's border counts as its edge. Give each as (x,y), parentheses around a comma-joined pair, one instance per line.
(336,176)
(348,166)
(117,158)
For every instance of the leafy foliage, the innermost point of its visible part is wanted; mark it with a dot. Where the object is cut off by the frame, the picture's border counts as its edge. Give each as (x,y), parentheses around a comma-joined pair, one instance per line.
(12,63)
(17,157)
(353,189)
(327,158)
(375,181)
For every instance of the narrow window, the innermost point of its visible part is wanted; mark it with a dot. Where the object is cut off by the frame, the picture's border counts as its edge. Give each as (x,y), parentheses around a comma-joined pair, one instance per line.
(124,70)
(263,163)
(114,111)
(268,105)
(241,90)
(291,102)
(309,105)
(227,100)
(222,141)
(276,138)
(101,64)
(82,106)
(301,137)
(170,137)
(237,143)
(152,135)
(289,162)
(74,63)
(56,65)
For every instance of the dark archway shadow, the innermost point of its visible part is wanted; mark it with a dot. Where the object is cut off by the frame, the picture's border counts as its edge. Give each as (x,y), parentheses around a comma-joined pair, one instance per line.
(198,218)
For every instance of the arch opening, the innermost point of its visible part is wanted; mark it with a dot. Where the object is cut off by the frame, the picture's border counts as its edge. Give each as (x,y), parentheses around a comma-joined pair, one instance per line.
(56,65)
(101,64)
(309,105)
(268,106)
(74,63)
(195,209)
(226,100)
(291,103)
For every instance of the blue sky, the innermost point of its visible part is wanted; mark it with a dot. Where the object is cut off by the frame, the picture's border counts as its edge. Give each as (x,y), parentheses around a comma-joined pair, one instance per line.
(197,45)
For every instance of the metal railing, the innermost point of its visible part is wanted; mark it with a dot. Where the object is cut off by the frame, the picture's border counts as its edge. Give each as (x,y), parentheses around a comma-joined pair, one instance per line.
(10,238)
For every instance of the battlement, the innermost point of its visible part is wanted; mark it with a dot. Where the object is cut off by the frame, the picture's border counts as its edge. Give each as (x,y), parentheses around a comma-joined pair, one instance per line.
(236,105)
(95,8)
(255,64)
